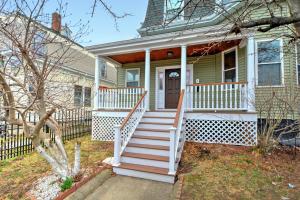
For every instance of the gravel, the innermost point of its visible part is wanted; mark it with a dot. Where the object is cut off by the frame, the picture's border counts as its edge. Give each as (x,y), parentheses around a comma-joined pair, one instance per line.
(46,188)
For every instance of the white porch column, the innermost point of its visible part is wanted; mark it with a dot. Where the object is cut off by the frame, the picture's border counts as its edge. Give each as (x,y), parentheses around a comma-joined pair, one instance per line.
(183,67)
(147,77)
(97,83)
(251,73)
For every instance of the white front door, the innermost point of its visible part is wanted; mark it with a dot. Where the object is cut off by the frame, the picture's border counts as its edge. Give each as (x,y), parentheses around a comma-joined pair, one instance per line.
(160,83)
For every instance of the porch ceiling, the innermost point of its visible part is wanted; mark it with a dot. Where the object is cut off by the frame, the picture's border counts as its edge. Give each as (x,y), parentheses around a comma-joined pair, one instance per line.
(162,54)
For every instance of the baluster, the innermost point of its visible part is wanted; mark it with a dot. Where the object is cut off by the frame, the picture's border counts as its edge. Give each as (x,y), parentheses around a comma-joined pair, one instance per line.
(230,94)
(208,96)
(222,91)
(200,96)
(213,96)
(217,96)
(235,95)
(226,96)
(240,96)
(204,94)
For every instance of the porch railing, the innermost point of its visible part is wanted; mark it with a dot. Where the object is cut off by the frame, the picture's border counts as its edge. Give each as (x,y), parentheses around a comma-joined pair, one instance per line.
(217,96)
(124,131)
(119,98)
(177,135)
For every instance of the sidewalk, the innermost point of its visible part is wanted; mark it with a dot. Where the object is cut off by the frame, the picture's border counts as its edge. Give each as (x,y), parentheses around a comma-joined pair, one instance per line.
(127,188)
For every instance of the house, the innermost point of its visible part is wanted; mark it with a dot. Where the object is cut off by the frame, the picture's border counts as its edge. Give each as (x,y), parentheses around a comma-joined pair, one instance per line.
(186,79)
(72,84)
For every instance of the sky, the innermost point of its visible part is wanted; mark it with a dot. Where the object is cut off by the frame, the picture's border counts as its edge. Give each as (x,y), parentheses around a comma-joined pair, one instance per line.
(102,26)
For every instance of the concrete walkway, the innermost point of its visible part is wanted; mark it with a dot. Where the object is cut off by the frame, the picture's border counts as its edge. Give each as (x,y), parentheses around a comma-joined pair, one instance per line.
(127,188)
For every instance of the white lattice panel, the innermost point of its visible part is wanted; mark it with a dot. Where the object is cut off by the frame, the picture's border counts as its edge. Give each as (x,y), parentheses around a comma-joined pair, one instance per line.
(222,131)
(103,127)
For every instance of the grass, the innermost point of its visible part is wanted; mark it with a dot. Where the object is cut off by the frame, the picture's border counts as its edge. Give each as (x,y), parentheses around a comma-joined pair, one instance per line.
(17,175)
(224,172)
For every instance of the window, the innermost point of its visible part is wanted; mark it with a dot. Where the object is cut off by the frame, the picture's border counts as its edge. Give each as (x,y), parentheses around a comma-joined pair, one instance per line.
(78,96)
(87,96)
(39,43)
(2,60)
(269,63)
(103,70)
(229,68)
(132,78)
(173,8)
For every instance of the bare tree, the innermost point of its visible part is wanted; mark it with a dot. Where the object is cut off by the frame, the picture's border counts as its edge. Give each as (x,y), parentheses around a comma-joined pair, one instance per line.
(32,56)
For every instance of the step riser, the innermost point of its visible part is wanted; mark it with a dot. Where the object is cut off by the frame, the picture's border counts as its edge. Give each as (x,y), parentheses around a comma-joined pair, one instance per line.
(147,151)
(154,126)
(144,175)
(151,142)
(154,134)
(160,114)
(157,120)
(139,161)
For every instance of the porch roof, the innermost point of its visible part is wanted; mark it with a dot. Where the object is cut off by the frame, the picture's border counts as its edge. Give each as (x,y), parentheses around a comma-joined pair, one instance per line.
(205,35)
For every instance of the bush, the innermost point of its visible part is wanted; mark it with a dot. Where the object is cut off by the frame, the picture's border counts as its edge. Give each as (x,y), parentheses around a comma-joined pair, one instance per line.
(67,184)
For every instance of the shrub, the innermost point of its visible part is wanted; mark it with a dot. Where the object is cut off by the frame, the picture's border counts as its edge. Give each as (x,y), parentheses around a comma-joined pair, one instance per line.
(67,184)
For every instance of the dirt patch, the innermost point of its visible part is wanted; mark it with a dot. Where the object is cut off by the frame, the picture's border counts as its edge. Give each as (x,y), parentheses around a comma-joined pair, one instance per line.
(232,172)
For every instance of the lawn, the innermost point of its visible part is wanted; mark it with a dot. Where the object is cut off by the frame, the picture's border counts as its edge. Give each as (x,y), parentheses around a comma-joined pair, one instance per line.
(17,175)
(229,172)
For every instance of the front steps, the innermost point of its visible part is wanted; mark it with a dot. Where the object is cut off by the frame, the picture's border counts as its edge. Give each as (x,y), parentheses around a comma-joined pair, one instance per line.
(147,153)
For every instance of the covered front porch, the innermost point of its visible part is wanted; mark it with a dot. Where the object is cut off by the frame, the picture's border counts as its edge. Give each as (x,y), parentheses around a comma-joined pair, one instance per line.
(220,80)
(212,74)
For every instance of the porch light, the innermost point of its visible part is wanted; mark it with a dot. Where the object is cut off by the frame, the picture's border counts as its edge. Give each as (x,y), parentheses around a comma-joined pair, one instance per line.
(170,54)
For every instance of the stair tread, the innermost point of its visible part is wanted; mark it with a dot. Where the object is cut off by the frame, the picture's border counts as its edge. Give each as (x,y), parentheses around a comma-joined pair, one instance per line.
(144,168)
(148,146)
(159,117)
(153,130)
(146,156)
(157,123)
(151,137)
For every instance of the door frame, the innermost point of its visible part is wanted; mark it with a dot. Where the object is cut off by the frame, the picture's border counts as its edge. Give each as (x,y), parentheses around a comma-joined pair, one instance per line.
(161,94)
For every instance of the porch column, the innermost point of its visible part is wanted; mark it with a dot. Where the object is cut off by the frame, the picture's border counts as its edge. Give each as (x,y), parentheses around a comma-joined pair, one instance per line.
(251,73)
(97,83)
(183,67)
(147,77)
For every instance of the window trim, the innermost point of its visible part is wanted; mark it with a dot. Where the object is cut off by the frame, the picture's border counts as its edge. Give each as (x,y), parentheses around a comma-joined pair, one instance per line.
(139,72)
(236,63)
(281,59)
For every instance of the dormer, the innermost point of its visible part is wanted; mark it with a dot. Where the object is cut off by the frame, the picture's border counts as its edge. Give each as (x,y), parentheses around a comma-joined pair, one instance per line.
(164,16)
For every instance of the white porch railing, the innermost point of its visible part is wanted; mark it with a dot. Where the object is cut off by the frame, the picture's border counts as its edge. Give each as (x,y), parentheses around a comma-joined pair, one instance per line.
(124,131)
(177,135)
(119,98)
(217,96)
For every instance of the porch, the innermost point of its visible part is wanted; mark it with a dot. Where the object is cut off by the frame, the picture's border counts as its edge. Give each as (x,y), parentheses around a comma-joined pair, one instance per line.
(168,93)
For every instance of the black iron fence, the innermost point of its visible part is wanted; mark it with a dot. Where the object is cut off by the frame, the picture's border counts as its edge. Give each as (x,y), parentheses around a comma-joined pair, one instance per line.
(75,123)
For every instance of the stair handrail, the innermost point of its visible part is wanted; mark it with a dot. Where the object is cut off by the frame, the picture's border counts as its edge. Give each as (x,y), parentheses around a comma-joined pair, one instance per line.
(124,131)
(176,134)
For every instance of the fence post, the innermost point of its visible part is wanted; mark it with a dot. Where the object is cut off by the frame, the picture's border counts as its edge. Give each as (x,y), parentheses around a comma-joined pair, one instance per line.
(172,158)
(117,145)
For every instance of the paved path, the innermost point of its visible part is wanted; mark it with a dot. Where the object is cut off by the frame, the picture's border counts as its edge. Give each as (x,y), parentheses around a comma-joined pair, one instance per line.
(127,188)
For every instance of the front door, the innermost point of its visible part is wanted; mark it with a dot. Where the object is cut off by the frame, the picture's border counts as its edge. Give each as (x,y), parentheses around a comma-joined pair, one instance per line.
(172,91)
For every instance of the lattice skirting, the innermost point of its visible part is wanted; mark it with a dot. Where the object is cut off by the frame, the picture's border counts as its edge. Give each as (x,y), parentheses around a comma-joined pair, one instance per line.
(103,127)
(222,131)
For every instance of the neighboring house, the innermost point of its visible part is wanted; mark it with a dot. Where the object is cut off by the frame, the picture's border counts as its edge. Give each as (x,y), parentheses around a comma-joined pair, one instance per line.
(72,84)
(186,80)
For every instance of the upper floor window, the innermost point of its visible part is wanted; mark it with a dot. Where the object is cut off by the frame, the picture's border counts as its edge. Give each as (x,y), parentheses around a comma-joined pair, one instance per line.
(132,78)
(230,66)
(39,43)
(103,70)
(173,9)
(269,63)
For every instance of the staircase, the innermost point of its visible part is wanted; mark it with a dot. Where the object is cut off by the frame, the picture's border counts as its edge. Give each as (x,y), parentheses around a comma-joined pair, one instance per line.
(147,152)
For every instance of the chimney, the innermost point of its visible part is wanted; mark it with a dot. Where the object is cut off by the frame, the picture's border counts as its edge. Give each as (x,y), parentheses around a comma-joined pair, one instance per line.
(56,22)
